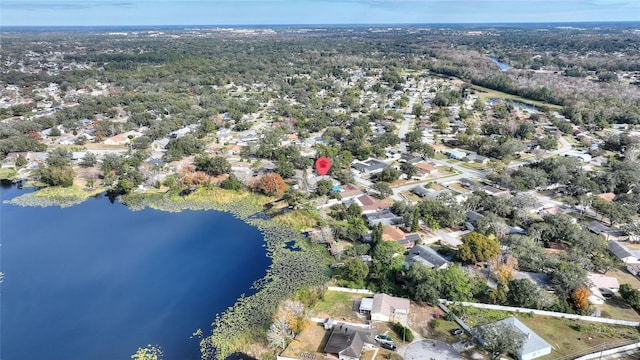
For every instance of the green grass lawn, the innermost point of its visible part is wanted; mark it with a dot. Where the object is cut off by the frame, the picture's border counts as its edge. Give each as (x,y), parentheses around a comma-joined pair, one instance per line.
(337,305)
(570,337)
(7,174)
(486,93)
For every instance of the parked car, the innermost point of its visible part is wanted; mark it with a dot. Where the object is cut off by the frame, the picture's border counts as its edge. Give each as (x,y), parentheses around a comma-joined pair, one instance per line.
(383,339)
(457,331)
(389,346)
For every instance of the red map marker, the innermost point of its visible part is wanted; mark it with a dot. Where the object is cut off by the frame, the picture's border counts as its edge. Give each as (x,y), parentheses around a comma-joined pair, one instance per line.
(323,165)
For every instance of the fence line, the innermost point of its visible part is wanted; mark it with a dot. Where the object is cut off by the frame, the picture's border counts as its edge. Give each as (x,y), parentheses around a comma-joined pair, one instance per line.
(348,290)
(544,313)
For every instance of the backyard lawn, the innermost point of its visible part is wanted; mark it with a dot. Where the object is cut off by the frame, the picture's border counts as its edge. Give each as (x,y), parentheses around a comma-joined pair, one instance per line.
(337,305)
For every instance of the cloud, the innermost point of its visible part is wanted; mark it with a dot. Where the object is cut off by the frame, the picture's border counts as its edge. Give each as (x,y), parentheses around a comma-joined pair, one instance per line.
(60,5)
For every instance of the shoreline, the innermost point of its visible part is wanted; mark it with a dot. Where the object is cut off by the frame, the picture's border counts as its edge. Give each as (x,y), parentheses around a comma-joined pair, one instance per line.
(247,320)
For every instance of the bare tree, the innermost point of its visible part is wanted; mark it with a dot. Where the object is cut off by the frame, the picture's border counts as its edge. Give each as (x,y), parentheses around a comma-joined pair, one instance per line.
(279,333)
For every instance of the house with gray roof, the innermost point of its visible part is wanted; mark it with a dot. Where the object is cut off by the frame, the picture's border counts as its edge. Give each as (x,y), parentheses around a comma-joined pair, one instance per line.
(534,346)
(370,166)
(384,217)
(623,253)
(427,256)
(348,341)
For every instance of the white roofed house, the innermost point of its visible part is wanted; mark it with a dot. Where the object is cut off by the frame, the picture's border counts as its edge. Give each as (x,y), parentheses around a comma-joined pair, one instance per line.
(534,346)
(387,308)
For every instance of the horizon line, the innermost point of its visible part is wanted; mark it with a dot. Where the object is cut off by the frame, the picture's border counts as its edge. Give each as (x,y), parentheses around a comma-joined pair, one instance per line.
(333,24)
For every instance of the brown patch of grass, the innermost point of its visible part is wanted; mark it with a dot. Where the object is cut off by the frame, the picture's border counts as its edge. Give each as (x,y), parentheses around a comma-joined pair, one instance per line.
(624,277)
(617,308)
(311,340)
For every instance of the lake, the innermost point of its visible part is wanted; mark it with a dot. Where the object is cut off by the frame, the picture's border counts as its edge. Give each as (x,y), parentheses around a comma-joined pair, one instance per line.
(500,64)
(97,280)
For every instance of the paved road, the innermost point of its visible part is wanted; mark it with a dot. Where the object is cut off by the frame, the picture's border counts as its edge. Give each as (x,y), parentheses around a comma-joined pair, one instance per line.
(408,117)
(431,349)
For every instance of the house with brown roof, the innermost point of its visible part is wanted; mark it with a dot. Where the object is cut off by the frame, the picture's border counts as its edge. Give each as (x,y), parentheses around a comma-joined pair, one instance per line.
(394,233)
(425,170)
(368,204)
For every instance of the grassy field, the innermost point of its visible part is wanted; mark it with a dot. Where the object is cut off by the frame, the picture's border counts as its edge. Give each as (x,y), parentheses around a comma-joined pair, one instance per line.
(570,337)
(617,308)
(338,305)
(459,188)
(486,93)
(311,340)
(299,219)
(7,174)
(624,277)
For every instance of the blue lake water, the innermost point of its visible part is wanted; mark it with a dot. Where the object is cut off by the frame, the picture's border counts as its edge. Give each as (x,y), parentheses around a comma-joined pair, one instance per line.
(97,280)
(500,64)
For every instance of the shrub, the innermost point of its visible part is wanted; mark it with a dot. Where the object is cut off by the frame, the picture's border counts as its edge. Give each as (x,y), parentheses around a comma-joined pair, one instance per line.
(403,332)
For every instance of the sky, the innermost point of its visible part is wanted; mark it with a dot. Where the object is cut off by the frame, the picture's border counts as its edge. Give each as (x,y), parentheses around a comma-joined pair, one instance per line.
(273,12)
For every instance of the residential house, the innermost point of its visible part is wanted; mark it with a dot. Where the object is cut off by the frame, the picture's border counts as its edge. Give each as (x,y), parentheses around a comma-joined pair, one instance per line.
(495,191)
(383,307)
(384,217)
(347,342)
(601,287)
(448,238)
(479,159)
(369,167)
(427,256)
(599,228)
(430,193)
(425,170)
(540,279)
(582,157)
(623,253)
(394,233)
(123,138)
(350,191)
(456,154)
(368,204)
(634,269)
(607,196)
(534,346)
(410,158)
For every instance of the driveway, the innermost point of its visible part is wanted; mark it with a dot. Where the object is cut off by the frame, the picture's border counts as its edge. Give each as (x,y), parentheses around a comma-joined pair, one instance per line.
(431,349)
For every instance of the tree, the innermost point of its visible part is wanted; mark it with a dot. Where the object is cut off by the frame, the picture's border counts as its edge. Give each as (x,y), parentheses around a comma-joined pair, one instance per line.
(88,160)
(383,189)
(271,184)
(284,167)
(500,338)
(455,285)
(409,169)
(355,270)
(324,187)
(57,176)
(477,248)
(141,142)
(231,183)
(630,295)
(279,334)
(524,293)
(389,174)
(580,298)
(417,110)
(215,166)
(21,161)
